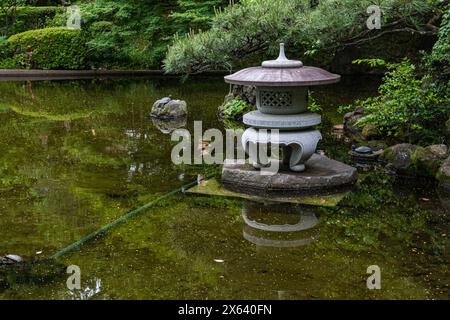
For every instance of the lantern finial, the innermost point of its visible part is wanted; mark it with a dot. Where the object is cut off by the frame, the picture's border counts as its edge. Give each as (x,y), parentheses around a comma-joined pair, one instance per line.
(282,55)
(282,61)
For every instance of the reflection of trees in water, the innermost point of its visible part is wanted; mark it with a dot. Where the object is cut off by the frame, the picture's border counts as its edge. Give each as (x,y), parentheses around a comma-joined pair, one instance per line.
(75,155)
(97,97)
(58,101)
(168,126)
(67,152)
(278,225)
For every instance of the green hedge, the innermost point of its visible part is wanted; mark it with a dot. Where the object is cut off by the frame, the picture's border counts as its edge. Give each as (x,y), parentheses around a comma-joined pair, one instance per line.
(29,18)
(49,48)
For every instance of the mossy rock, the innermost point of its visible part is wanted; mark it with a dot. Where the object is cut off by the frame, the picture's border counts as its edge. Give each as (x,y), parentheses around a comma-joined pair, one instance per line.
(377,144)
(443,174)
(427,161)
(400,156)
(169,109)
(370,132)
(50,48)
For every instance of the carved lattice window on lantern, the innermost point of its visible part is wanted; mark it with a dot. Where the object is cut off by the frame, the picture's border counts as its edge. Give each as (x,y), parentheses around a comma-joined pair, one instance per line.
(276,99)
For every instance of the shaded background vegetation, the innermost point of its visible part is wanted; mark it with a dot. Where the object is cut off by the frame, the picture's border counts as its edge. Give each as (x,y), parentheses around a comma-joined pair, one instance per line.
(193,36)
(118,33)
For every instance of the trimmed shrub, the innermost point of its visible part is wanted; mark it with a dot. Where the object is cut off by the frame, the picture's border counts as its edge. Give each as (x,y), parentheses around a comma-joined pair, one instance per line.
(50,48)
(4,50)
(29,18)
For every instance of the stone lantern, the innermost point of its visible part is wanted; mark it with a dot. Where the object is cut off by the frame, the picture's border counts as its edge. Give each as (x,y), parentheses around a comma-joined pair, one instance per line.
(282,103)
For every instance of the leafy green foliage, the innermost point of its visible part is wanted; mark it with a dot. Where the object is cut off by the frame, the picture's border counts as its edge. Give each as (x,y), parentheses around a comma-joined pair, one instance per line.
(246,27)
(438,62)
(135,34)
(255,26)
(413,103)
(408,106)
(3,47)
(313,106)
(8,12)
(195,14)
(50,48)
(235,109)
(126,33)
(345,108)
(371,62)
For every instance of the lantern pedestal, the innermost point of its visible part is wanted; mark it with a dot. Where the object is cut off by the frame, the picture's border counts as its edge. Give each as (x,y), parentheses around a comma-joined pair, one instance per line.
(323,176)
(298,146)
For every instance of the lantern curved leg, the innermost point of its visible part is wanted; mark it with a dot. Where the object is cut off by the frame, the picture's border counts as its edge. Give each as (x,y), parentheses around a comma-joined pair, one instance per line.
(258,155)
(298,147)
(298,158)
(300,152)
(252,147)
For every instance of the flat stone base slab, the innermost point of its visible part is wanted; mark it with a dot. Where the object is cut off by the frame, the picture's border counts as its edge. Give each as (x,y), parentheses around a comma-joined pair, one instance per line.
(322,176)
(213,188)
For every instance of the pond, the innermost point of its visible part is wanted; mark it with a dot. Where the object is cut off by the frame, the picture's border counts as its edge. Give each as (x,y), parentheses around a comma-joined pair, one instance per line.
(75,155)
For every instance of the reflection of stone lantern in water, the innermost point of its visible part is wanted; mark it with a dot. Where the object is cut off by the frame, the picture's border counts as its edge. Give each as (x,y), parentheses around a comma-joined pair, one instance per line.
(279,226)
(282,102)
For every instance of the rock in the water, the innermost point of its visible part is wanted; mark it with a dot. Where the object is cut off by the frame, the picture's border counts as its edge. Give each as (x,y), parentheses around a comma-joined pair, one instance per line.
(370,132)
(428,160)
(399,156)
(14,258)
(443,174)
(163,101)
(166,108)
(10,259)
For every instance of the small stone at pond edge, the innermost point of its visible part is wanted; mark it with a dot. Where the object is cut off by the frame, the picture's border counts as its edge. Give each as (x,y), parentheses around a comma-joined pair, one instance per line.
(219,260)
(363,150)
(14,258)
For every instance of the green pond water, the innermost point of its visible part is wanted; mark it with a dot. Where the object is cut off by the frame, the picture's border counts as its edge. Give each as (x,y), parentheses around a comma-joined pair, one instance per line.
(75,155)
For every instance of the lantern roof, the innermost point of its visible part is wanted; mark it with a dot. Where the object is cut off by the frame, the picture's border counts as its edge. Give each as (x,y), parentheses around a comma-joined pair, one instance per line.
(282,72)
